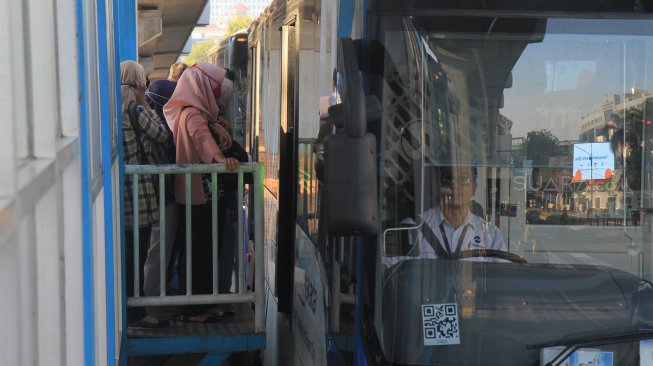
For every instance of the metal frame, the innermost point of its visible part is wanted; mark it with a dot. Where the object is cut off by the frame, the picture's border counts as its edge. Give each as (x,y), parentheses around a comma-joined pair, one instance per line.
(338,297)
(257,295)
(211,344)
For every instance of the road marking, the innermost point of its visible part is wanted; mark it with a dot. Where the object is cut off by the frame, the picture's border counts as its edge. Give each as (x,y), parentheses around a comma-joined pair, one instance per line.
(590,260)
(556,259)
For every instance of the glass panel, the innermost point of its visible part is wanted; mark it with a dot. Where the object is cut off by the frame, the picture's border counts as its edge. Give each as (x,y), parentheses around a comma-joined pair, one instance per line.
(307,187)
(268,133)
(241,85)
(515,185)
(93,93)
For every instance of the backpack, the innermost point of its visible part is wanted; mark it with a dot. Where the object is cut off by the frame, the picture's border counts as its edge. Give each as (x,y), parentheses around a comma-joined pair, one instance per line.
(159,150)
(227,182)
(158,153)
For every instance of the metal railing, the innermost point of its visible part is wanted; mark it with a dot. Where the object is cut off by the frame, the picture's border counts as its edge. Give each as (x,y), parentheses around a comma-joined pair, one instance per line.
(339,256)
(256,296)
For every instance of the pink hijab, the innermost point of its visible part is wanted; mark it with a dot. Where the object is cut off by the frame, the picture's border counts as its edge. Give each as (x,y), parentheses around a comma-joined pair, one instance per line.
(195,89)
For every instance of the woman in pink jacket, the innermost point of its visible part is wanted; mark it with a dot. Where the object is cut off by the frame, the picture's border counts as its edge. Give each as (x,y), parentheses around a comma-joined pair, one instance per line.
(200,91)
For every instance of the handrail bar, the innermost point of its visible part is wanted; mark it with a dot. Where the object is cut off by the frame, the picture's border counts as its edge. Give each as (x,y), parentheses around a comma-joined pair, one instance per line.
(188,168)
(256,295)
(170,300)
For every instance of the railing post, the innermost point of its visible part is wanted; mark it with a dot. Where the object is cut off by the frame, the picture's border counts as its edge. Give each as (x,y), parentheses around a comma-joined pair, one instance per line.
(258,295)
(136,235)
(335,291)
(259,247)
(189,237)
(163,264)
(239,235)
(214,229)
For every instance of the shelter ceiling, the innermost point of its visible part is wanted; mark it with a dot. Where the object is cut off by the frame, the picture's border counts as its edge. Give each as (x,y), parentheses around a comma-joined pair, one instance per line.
(177,19)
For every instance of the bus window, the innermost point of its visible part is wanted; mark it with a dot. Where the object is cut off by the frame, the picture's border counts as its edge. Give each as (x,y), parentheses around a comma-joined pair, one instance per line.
(514,185)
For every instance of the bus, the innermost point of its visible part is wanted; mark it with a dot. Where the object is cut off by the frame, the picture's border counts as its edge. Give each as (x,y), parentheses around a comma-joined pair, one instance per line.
(231,53)
(470,186)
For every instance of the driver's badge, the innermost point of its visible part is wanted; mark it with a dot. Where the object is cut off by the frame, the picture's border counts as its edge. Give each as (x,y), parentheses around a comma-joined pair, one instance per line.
(476,243)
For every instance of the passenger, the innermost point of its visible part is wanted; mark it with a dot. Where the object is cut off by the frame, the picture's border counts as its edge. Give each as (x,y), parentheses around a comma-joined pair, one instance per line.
(137,133)
(157,95)
(160,91)
(326,126)
(194,103)
(451,227)
(228,187)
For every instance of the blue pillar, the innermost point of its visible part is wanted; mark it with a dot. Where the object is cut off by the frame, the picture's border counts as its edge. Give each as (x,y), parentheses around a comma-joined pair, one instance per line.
(88,290)
(126,48)
(106,65)
(127,30)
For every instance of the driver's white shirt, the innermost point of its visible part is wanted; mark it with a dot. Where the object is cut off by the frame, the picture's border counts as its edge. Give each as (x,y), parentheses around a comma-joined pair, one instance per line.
(473,233)
(478,234)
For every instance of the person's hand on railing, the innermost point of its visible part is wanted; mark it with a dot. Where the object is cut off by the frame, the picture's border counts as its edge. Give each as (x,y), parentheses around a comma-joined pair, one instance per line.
(230,163)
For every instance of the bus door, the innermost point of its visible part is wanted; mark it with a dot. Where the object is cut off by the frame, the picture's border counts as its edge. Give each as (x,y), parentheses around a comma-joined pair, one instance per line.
(287,167)
(252,128)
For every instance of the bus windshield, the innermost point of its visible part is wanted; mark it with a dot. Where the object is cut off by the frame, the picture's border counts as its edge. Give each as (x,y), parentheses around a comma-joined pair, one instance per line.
(515,160)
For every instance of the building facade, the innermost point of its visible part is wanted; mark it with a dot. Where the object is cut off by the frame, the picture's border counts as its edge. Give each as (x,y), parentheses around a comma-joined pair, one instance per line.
(224,10)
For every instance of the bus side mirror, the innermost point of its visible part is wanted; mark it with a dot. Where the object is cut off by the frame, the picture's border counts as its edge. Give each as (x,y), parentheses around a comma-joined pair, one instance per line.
(350,167)
(350,185)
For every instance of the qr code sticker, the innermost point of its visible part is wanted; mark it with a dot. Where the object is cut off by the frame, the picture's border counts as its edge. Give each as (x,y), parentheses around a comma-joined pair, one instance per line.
(440,324)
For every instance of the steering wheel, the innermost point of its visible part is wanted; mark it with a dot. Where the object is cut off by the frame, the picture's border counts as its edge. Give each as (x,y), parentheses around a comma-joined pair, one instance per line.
(489,253)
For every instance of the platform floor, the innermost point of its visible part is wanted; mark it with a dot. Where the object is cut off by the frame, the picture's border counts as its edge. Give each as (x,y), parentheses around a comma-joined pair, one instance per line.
(241,323)
(237,359)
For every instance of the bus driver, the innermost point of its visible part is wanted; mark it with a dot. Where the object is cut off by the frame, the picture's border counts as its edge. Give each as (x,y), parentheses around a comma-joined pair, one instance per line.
(451,227)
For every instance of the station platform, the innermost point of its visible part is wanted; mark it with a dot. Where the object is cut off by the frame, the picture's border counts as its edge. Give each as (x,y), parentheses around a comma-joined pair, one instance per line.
(215,340)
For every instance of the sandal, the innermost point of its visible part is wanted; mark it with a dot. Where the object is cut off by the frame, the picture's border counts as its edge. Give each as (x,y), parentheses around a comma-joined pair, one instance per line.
(202,319)
(149,322)
(220,312)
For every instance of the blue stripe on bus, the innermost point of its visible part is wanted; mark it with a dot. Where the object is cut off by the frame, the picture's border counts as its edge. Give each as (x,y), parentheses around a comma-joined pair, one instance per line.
(364,15)
(345,17)
(87,200)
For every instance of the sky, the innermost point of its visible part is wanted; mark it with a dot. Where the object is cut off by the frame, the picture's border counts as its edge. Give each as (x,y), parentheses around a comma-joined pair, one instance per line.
(559,80)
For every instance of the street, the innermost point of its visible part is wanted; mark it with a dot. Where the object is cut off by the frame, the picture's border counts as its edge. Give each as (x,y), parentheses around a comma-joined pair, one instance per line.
(576,244)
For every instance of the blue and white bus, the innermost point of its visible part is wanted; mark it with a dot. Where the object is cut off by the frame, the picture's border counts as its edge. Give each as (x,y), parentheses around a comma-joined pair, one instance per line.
(231,53)
(433,214)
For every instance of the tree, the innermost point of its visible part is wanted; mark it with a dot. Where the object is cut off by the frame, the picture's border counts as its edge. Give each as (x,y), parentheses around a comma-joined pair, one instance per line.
(199,52)
(237,23)
(632,119)
(539,146)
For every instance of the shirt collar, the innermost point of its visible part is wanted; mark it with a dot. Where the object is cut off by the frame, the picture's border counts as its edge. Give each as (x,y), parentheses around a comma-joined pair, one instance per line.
(437,218)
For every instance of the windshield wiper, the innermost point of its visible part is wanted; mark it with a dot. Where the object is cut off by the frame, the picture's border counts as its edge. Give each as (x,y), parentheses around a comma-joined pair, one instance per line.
(572,344)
